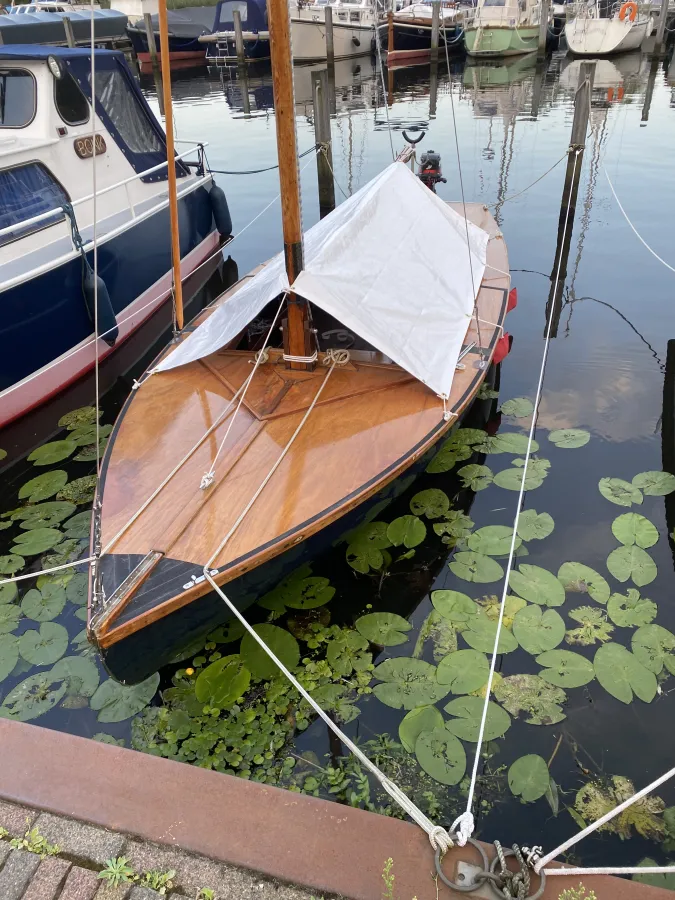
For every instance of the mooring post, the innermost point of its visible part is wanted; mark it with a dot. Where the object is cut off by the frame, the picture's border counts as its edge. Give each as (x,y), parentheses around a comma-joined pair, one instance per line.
(661,28)
(324,161)
(150,35)
(543,27)
(330,46)
(390,29)
(649,93)
(435,28)
(68,28)
(238,38)
(433,89)
(582,108)
(537,86)
(242,78)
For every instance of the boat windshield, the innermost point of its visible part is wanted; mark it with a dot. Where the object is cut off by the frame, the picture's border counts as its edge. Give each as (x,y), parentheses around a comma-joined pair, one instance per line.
(17,98)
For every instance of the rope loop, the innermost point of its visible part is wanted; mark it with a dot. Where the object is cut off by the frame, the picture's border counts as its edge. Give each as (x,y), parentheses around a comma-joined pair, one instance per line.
(462,828)
(288,357)
(440,839)
(261,357)
(336,356)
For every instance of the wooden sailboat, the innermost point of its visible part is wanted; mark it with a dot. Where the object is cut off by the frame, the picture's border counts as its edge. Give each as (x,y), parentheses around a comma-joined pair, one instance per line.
(211,468)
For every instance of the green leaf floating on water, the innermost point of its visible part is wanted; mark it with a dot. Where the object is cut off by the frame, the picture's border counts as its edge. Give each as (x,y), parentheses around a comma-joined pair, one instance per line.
(665,880)
(431,503)
(491,606)
(632,562)
(442,634)
(631,528)
(86,434)
(508,442)
(233,631)
(309,593)
(653,646)
(77,418)
(223,682)
(82,490)
(655,484)
(43,515)
(372,533)
(537,699)
(8,593)
(463,671)
(593,626)
(512,479)
(520,407)
(454,606)
(454,525)
(44,605)
(407,683)
(466,437)
(115,702)
(528,778)
(423,718)
(11,564)
(348,653)
(493,540)
(476,567)
(577,577)
(80,674)
(621,674)
(51,453)
(9,617)
(618,491)
(569,438)
(537,585)
(44,647)
(33,697)
(384,629)
(565,669)
(66,551)
(76,590)
(537,631)
(363,556)
(469,711)
(407,531)
(475,477)
(441,755)
(446,459)
(630,610)
(534,526)
(43,486)
(104,738)
(31,543)
(9,654)
(281,643)
(481,634)
(78,526)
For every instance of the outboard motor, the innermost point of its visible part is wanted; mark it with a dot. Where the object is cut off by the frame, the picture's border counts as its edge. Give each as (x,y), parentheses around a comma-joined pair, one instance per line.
(429,171)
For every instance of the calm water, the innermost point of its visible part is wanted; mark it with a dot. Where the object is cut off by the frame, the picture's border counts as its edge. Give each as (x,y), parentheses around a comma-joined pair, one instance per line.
(605,370)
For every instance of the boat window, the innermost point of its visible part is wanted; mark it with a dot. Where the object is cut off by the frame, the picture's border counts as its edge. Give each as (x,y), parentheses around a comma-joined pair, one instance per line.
(354,17)
(227,8)
(17,98)
(26,191)
(71,103)
(495,3)
(125,114)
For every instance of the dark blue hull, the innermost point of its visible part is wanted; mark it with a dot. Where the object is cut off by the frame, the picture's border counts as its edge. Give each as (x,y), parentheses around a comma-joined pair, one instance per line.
(179,47)
(227,52)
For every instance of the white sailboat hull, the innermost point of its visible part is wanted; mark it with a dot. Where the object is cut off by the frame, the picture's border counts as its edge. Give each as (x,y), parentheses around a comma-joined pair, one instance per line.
(601,37)
(308,37)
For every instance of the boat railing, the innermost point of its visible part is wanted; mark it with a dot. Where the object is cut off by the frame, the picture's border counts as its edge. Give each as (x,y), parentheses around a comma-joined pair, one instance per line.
(26,223)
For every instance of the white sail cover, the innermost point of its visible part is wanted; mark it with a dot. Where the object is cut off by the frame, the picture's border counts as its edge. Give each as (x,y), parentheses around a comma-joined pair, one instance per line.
(390,263)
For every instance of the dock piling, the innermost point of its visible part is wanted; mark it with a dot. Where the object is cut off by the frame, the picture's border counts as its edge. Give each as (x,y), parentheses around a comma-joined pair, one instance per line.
(150,35)
(543,28)
(330,46)
(68,27)
(238,38)
(661,28)
(435,28)
(324,162)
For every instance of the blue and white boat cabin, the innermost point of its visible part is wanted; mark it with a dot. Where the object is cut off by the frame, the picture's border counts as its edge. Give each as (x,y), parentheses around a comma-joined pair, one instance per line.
(51,164)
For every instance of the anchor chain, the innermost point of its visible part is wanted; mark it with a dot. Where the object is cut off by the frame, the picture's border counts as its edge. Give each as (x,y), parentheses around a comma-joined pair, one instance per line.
(505,883)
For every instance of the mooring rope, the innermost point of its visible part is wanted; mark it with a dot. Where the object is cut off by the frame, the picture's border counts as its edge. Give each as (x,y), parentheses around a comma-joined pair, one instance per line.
(547,172)
(70,565)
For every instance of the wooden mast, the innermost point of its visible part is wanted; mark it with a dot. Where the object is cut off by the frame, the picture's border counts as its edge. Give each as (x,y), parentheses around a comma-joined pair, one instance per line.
(171,165)
(297,336)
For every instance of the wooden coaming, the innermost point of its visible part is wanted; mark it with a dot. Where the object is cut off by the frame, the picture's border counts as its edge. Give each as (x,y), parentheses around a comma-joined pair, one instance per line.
(372,421)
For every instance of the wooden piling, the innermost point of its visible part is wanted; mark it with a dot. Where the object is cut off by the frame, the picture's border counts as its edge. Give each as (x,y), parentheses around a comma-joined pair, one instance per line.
(330,46)
(390,31)
(68,28)
(433,89)
(661,28)
(150,36)
(435,28)
(238,38)
(543,28)
(324,161)
(649,92)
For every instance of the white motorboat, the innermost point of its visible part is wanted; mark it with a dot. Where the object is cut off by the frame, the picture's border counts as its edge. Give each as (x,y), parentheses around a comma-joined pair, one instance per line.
(353,29)
(588,34)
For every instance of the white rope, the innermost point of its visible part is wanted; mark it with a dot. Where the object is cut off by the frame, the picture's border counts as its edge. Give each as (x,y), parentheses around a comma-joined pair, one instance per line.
(513,196)
(288,357)
(637,233)
(438,836)
(70,565)
(605,870)
(465,823)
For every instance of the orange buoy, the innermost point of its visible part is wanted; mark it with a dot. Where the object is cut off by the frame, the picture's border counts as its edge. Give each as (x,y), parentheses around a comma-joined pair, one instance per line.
(629,9)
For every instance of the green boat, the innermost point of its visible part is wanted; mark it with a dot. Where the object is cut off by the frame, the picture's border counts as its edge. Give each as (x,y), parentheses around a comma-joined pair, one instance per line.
(503,28)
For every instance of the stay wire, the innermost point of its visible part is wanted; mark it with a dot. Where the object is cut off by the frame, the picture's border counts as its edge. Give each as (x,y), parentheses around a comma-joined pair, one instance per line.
(95,235)
(259,171)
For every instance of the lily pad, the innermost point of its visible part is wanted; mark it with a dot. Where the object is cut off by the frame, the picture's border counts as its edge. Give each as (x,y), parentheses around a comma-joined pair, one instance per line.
(654,647)
(463,671)
(454,525)
(630,610)
(534,526)
(466,437)
(407,683)
(44,605)
(431,503)
(11,564)
(309,593)
(632,562)
(569,438)
(373,533)
(407,531)
(53,452)
(363,556)
(447,458)
(520,407)
(454,606)
(348,653)
(491,606)
(537,585)
(469,711)
(441,755)
(33,697)
(82,490)
(8,593)
(565,669)
(582,579)
(423,718)
(508,442)
(81,674)
(476,567)
(384,629)
(76,590)
(528,777)
(115,702)
(281,643)
(78,418)
(493,540)
(9,655)
(618,491)
(481,635)
(531,695)
(9,618)
(44,647)
(631,528)
(89,453)
(512,479)
(43,486)
(66,551)
(223,682)
(622,674)
(32,543)
(655,484)
(475,477)
(593,626)
(78,526)
(665,880)
(538,631)
(86,434)
(233,631)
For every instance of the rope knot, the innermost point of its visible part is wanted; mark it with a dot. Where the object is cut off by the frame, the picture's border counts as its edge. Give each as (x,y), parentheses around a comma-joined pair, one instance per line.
(207,480)
(261,357)
(463,828)
(336,356)
(440,839)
